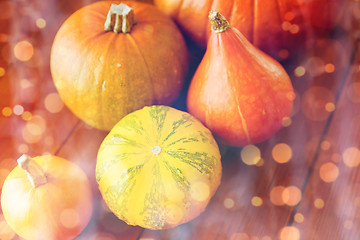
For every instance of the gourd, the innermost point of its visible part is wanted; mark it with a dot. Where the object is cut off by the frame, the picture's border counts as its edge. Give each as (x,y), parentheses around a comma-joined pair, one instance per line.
(158,168)
(46,197)
(240,93)
(108,60)
(278,27)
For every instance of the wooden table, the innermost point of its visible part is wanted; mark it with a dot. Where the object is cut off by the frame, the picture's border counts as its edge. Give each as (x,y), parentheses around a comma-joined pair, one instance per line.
(307,185)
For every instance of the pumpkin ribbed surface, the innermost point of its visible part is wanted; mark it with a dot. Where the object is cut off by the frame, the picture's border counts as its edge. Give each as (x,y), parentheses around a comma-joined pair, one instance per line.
(158,168)
(102,75)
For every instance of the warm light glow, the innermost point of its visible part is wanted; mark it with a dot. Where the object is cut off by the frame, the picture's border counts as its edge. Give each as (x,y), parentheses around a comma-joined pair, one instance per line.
(289,233)
(23,148)
(336,157)
(276,195)
(299,71)
(286,26)
(34,129)
(289,16)
(53,103)
(250,154)
(281,153)
(294,28)
(319,203)
(2,71)
(313,103)
(286,121)
(40,23)
(351,157)
(266,238)
(5,230)
(325,145)
(329,68)
(291,195)
(25,83)
(256,201)
(174,214)
(200,191)
(284,53)
(348,224)
(299,218)
(291,96)
(18,110)
(69,218)
(328,172)
(26,116)
(330,107)
(260,163)
(6,111)
(228,203)
(23,51)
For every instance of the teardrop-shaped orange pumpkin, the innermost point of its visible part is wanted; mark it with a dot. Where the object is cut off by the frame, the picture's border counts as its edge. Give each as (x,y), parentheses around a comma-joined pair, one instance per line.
(238,92)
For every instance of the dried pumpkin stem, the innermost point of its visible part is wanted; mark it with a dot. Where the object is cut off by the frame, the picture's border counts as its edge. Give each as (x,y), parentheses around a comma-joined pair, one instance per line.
(34,172)
(120,18)
(218,22)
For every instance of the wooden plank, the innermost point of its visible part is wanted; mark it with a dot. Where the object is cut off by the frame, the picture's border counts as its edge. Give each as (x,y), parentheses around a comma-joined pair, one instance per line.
(331,206)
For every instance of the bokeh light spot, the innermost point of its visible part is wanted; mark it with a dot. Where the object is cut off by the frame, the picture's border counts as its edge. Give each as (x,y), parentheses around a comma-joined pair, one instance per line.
(18,110)
(23,148)
(319,203)
(69,218)
(23,51)
(351,157)
(40,23)
(239,236)
(53,103)
(281,153)
(329,68)
(330,107)
(256,201)
(328,172)
(250,154)
(6,111)
(286,121)
(291,195)
(229,203)
(200,191)
(174,214)
(325,145)
(348,224)
(299,71)
(2,71)
(294,28)
(299,218)
(276,195)
(289,233)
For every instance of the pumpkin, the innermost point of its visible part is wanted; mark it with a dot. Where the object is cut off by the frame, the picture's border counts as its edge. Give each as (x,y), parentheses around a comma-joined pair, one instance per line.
(46,197)
(278,27)
(158,168)
(240,93)
(108,60)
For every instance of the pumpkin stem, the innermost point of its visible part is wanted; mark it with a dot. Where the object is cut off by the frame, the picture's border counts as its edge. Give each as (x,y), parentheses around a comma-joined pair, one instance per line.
(34,172)
(218,22)
(120,18)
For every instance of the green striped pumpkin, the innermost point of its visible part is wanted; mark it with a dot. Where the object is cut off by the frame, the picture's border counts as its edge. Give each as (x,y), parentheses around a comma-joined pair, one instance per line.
(158,168)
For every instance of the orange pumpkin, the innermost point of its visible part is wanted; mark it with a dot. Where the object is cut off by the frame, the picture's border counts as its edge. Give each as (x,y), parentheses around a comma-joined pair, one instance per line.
(103,72)
(240,93)
(278,27)
(46,197)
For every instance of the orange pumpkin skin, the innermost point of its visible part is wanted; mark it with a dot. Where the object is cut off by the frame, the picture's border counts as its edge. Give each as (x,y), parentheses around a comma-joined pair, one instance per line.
(240,93)
(273,26)
(56,210)
(102,76)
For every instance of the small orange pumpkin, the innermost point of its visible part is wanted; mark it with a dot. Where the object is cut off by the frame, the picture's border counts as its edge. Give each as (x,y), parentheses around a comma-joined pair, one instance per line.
(240,93)
(46,197)
(102,72)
